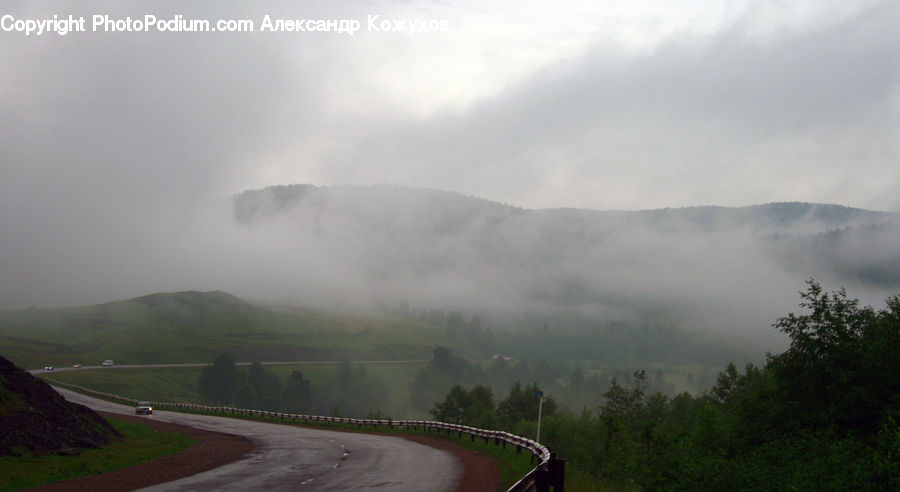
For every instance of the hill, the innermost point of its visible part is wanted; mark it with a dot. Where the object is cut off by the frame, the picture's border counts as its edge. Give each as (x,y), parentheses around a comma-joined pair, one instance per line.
(625,283)
(34,419)
(447,212)
(197,326)
(709,268)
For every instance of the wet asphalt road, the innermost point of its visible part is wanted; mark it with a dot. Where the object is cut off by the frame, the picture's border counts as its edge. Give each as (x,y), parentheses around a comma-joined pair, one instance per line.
(295,458)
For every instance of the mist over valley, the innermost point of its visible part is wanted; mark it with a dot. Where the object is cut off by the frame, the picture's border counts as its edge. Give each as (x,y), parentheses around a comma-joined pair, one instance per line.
(726,271)
(623,288)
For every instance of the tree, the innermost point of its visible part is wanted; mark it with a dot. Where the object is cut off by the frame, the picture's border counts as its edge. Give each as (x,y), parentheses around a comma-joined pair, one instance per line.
(353,393)
(442,372)
(622,401)
(297,393)
(245,395)
(218,381)
(267,387)
(840,369)
(258,389)
(482,411)
(835,321)
(445,363)
(454,406)
(726,384)
(474,407)
(522,404)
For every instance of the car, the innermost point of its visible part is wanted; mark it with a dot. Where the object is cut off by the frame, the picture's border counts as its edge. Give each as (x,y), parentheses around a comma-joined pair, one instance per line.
(48,368)
(76,365)
(107,363)
(143,408)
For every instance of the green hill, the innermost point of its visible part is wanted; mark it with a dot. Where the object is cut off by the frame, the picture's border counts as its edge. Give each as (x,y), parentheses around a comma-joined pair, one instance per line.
(196,326)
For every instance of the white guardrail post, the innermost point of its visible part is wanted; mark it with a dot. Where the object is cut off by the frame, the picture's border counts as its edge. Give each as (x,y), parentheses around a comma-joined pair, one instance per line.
(549,472)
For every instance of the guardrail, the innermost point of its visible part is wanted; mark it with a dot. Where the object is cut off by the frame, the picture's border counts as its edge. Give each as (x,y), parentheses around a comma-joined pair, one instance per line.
(549,471)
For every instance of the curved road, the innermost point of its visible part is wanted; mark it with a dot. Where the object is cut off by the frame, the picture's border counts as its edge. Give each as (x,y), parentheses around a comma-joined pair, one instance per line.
(297,458)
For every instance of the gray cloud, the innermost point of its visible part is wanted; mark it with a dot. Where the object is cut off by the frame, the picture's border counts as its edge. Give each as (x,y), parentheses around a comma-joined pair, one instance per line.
(114,147)
(731,120)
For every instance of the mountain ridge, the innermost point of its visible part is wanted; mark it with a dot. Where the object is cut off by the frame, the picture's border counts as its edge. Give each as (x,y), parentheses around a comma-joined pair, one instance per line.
(441,248)
(256,204)
(287,192)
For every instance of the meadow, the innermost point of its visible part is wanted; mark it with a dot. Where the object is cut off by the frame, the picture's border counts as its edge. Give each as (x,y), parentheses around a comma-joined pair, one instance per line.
(194,327)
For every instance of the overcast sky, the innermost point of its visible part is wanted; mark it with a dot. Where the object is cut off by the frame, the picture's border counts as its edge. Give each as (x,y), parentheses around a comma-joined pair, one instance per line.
(114,142)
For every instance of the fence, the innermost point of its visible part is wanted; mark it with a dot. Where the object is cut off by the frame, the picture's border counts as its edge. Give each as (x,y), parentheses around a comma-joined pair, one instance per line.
(549,471)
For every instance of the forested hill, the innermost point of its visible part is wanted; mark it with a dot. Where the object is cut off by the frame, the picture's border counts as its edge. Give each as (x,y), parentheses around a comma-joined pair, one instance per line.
(438,248)
(392,204)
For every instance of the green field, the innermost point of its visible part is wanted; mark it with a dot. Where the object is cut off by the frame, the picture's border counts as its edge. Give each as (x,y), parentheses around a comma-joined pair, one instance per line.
(195,327)
(179,384)
(172,384)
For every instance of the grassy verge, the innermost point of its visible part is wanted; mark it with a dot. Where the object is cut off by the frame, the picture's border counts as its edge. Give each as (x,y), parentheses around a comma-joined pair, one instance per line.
(174,384)
(138,444)
(513,465)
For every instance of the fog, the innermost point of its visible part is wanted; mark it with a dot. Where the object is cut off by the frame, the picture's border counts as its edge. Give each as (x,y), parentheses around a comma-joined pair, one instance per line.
(702,269)
(121,155)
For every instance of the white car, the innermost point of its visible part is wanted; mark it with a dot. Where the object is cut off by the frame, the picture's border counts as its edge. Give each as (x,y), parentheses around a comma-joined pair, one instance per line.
(143,408)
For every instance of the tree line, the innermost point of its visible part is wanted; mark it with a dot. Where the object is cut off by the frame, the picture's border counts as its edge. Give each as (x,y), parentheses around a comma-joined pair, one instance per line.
(825,414)
(351,393)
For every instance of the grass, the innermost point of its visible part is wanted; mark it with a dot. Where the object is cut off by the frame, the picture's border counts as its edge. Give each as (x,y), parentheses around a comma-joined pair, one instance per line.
(138,444)
(513,466)
(174,384)
(179,384)
(195,327)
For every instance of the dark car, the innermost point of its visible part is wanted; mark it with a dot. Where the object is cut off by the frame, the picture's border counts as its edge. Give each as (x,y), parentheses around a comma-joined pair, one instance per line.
(143,408)
(48,368)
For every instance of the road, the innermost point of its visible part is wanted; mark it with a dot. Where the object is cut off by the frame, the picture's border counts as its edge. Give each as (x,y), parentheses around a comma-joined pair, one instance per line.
(204,364)
(296,458)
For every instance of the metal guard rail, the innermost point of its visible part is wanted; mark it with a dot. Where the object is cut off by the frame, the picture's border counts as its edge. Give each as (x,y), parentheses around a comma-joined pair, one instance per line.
(544,474)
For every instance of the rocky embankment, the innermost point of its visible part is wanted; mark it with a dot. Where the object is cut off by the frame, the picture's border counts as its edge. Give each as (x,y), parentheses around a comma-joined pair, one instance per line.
(35,419)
